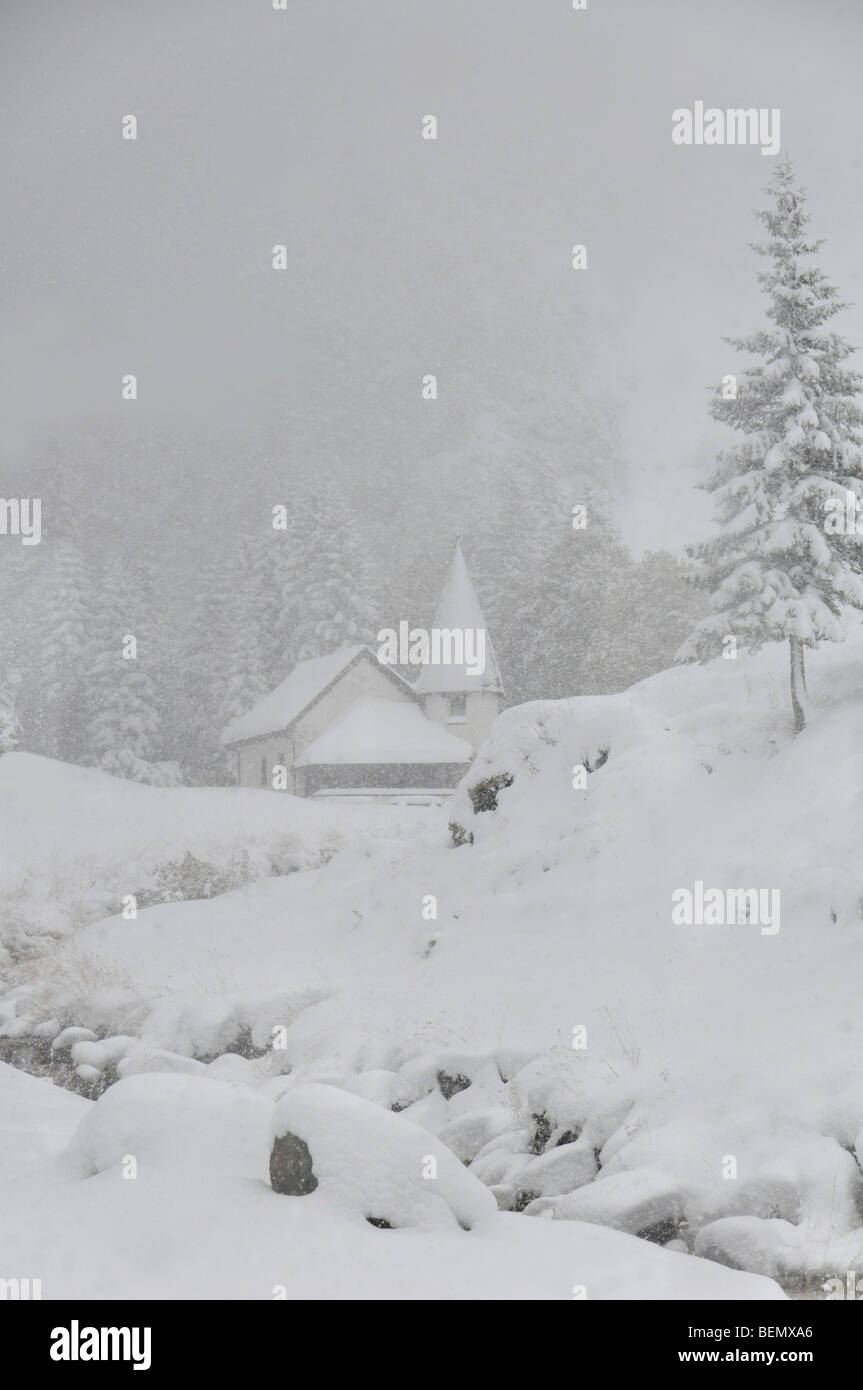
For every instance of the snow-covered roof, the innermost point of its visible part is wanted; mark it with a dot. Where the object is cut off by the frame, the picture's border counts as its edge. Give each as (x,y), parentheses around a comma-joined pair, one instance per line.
(279,709)
(384,731)
(459,607)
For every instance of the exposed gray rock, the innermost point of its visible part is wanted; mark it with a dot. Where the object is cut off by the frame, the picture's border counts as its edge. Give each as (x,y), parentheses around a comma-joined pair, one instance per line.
(291,1166)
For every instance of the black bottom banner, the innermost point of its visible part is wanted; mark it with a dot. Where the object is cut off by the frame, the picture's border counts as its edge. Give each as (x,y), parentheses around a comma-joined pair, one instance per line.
(160,1339)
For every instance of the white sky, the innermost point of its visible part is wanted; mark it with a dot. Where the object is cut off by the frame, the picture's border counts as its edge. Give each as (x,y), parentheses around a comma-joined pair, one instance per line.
(259,126)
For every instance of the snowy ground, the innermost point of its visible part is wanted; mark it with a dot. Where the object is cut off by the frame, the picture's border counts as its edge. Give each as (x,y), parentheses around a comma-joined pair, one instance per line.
(199,1220)
(76,841)
(717,1103)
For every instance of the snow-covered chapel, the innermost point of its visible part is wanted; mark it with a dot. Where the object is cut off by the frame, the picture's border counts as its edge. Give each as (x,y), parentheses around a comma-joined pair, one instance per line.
(346,726)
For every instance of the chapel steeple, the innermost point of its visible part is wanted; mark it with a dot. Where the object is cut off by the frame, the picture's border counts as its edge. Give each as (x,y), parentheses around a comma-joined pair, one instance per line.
(454,693)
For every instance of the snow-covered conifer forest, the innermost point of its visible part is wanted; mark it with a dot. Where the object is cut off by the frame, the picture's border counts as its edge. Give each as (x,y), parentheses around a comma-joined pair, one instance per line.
(431,652)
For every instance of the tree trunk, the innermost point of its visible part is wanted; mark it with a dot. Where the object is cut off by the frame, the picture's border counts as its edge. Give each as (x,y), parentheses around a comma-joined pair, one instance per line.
(798,683)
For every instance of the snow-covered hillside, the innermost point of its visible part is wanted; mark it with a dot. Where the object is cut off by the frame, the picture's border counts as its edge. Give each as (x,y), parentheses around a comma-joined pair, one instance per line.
(527,997)
(75,842)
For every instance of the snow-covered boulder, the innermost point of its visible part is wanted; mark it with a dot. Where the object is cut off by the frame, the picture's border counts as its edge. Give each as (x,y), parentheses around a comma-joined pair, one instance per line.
(467,1134)
(65,1041)
(164,1120)
(158,1059)
(101,1054)
(805,1256)
(763,1246)
(636,1201)
(502,1159)
(430,1112)
(376,1163)
(559,1170)
(383,1087)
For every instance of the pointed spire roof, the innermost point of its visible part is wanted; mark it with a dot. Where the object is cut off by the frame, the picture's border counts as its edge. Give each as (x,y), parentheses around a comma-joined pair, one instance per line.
(459,607)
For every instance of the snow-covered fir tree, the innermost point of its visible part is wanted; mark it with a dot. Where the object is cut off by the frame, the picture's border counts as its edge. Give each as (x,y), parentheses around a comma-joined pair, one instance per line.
(253,615)
(56,609)
(572,610)
(779,570)
(653,616)
(509,533)
(324,584)
(122,732)
(201,673)
(9,726)
(18,568)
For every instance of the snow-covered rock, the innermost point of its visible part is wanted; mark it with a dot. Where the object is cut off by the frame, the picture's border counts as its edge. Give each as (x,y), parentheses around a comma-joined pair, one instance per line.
(636,1201)
(500,1160)
(558,1170)
(101,1054)
(69,1037)
(762,1245)
(158,1059)
(377,1164)
(165,1120)
(470,1132)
